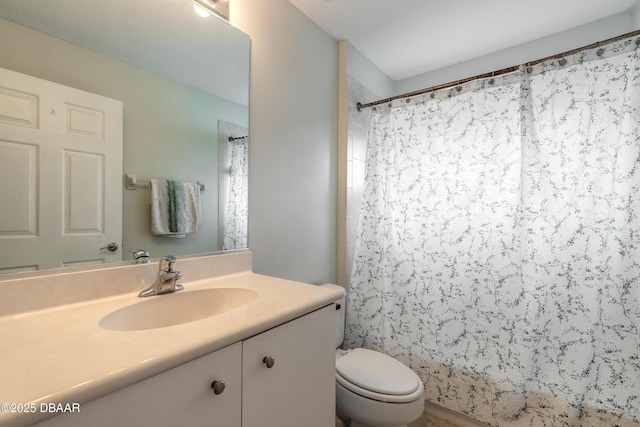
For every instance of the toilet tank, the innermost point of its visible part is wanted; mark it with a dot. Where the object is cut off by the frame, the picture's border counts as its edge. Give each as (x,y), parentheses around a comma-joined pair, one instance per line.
(340,313)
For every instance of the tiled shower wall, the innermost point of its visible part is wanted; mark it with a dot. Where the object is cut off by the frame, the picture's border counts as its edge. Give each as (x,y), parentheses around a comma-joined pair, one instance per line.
(357,128)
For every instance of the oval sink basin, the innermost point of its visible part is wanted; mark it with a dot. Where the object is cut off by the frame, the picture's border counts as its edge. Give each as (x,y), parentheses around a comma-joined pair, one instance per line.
(160,311)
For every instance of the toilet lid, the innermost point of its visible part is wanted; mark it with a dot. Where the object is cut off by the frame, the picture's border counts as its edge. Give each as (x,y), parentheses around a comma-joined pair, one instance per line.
(377,372)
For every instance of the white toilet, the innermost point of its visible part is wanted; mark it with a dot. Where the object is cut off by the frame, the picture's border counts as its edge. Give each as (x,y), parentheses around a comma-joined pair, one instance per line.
(373,389)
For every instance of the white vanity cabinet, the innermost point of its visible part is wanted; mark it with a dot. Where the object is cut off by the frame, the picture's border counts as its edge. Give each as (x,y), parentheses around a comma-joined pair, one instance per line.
(181,396)
(297,389)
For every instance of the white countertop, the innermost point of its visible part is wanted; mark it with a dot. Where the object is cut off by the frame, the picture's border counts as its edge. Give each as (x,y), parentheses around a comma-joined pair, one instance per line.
(62,355)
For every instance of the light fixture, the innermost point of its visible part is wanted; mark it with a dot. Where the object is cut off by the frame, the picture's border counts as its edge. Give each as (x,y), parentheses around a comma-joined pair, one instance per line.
(206,7)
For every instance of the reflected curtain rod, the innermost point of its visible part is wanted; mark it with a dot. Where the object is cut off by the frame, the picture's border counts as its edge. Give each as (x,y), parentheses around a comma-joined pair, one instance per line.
(235,138)
(360,106)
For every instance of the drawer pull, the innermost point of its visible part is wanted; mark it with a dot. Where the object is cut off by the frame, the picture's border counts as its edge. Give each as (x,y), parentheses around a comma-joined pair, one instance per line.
(218,387)
(268,361)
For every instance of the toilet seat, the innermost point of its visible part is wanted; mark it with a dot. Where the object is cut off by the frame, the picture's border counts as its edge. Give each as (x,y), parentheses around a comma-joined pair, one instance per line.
(377,376)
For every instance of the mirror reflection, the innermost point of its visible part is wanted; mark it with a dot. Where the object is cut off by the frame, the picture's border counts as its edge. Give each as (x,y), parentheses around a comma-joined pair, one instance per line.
(182,81)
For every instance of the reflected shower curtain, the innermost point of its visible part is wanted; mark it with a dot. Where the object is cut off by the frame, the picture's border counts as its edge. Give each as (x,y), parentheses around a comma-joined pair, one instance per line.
(498,251)
(235,234)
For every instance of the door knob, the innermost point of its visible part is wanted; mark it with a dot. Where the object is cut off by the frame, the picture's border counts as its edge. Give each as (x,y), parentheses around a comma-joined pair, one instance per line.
(269,361)
(111,247)
(218,387)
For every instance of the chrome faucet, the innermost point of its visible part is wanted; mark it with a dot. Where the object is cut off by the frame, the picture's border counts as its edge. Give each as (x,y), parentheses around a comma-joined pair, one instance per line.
(140,256)
(166,280)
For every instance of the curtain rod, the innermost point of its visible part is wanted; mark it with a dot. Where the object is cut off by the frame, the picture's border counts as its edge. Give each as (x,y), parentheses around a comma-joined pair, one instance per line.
(360,106)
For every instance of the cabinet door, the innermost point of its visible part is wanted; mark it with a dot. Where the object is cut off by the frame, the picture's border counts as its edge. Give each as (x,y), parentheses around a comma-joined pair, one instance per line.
(181,396)
(299,389)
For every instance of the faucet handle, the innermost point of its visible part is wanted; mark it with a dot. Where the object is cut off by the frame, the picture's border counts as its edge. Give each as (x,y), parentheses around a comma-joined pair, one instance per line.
(140,255)
(167,263)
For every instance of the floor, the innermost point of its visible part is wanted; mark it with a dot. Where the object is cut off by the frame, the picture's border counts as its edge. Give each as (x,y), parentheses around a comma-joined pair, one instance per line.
(428,420)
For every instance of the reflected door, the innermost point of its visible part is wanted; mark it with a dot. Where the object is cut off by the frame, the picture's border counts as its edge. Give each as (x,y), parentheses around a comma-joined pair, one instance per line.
(60,175)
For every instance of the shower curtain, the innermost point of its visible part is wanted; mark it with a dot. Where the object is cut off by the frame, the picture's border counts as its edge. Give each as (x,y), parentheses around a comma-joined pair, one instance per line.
(235,227)
(498,249)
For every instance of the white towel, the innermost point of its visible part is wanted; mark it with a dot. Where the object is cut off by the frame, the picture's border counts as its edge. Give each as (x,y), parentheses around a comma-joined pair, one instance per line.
(175,208)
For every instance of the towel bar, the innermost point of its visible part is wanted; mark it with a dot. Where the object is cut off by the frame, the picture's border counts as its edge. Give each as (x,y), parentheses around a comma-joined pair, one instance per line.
(132,183)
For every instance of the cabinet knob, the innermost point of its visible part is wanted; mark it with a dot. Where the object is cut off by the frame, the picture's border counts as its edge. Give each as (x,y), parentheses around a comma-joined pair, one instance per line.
(268,361)
(218,387)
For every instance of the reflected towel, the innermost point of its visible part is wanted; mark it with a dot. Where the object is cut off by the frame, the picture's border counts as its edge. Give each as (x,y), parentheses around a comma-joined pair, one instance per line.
(175,207)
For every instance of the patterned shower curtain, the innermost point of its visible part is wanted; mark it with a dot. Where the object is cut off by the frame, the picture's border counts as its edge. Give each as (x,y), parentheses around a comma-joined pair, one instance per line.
(498,250)
(235,226)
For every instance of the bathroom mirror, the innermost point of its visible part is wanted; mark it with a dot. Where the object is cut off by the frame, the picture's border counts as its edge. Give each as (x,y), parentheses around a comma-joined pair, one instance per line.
(178,76)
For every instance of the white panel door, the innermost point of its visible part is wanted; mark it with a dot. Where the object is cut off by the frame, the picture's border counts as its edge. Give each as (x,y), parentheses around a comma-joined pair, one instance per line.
(60,175)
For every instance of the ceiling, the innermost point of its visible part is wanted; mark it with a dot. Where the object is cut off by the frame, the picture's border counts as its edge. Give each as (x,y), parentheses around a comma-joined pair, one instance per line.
(405,38)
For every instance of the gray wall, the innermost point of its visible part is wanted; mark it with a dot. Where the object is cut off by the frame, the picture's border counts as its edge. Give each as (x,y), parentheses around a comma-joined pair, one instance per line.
(366,73)
(541,48)
(293,142)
